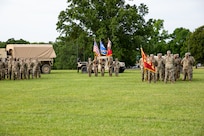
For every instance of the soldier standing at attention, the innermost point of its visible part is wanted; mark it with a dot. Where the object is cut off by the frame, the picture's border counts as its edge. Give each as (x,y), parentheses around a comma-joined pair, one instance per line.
(141,63)
(160,68)
(152,75)
(9,74)
(6,68)
(192,61)
(22,69)
(30,65)
(110,66)
(36,69)
(186,64)
(15,69)
(102,63)
(116,67)
(177,66)
(95,65)
(1,69)
(169,67)
(90,64)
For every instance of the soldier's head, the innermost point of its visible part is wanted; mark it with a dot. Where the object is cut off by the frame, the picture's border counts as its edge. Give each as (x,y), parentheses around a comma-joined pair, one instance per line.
(159,55)
(189,54)
(151,56)
(186,55)
(89,59)
(168,53)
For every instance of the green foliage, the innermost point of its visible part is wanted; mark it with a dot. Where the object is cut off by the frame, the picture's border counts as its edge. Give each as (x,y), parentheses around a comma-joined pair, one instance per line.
(123,24)
(2,44)
(178,41)
(195,44)
(13,41)
(156,38)
(71,103)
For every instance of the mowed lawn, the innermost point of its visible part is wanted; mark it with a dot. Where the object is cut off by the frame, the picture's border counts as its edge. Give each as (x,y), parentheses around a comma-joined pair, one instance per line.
(67,103)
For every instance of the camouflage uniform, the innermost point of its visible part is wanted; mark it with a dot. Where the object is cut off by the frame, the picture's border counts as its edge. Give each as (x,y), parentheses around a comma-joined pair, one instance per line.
(23,69)
(5,68)
(141,63)
(192,61)
(36,69)
(9,74)
(186,65)
(160,68)
(90,64)
(102,63)
(177,66)
(30,65)
(1,69)
(116,67)
(110,66)
(152,75)
(95,65)
(15,69)
(169,67)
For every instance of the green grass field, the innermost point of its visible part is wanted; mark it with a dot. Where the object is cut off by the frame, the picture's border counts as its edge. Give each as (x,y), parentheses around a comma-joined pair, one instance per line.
(70,103)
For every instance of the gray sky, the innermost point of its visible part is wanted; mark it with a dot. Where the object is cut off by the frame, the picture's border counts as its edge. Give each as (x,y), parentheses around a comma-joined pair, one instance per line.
(35,20)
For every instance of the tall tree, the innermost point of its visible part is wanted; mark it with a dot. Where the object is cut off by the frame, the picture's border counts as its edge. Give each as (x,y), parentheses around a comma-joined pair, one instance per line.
(156,41)
(123,24)
(178,39)
(195,44)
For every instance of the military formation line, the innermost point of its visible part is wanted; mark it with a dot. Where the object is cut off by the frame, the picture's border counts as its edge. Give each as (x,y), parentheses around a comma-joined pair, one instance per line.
(16,69)
(168,67)
(96,65)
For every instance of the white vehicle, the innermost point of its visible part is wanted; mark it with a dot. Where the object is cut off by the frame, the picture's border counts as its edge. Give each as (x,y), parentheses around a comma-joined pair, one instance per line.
(83,65)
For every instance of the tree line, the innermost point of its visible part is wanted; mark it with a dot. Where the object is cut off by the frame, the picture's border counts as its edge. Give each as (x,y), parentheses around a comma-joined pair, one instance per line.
(125,26)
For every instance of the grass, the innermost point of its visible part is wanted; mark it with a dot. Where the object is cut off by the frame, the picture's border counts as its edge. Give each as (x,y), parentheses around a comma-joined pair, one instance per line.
(69,103)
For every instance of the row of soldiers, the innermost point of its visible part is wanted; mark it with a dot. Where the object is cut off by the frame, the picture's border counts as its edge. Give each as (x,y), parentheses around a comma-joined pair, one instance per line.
(113,66)
(13,68)
(168,67)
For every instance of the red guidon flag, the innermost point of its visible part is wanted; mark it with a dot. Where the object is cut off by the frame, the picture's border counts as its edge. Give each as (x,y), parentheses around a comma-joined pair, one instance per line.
(109,52)
(147,65)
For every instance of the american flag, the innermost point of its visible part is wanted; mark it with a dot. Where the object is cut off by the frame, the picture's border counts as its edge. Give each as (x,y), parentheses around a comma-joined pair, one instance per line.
(96,49)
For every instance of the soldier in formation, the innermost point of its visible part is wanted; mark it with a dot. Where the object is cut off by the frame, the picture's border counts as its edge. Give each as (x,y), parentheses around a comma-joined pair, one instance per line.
(116,67)
(141,63)
(168,67)
(160,68)
(110,66)
(177,66)
(95,65)
(102,63)
(89,66)
(152,75)
(15,68)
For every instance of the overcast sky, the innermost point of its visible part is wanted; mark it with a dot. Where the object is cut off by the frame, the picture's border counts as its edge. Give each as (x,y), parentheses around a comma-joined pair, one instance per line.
(35,20)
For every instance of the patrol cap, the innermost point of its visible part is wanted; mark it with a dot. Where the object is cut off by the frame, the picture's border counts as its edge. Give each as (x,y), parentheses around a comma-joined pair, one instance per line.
(186,54)
(168,52)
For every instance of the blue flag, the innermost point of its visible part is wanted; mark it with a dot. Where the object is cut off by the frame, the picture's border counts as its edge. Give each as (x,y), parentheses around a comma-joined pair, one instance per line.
(102,49)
